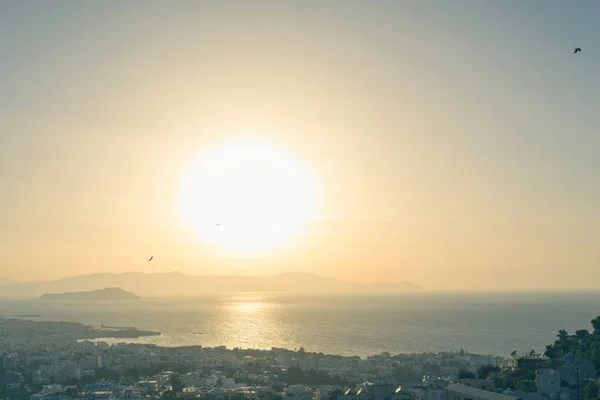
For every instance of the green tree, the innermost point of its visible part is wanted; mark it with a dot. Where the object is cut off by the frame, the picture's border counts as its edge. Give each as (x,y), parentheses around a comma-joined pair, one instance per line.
(176,385)
(526,385)
(278,387)
(596,325)
(591,390)
(582,334)
(524,374)
(562,334)
(582,343)
(486,370)
(499,381)
(465,374)
(430,368)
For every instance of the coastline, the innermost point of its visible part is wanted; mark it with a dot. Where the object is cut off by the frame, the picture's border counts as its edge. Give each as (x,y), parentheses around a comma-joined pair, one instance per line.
(339,325)
(67,330)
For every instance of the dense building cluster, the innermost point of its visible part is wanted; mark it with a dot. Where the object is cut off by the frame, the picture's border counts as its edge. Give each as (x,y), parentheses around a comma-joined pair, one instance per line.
(50,361)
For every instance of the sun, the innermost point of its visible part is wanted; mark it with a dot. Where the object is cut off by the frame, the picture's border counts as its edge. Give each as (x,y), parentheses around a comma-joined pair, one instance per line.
(247,197)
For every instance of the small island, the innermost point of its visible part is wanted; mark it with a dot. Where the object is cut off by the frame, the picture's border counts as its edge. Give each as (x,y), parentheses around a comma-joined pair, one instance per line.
(101,294)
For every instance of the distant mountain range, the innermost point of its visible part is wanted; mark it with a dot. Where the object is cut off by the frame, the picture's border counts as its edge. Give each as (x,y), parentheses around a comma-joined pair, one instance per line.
(7,282)
(176,283)
(100,294)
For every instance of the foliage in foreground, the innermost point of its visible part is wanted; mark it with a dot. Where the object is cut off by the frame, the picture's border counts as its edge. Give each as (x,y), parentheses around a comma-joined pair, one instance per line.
(582,343)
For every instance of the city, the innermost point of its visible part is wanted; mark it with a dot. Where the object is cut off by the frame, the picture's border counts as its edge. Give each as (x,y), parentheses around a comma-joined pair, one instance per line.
(43,360)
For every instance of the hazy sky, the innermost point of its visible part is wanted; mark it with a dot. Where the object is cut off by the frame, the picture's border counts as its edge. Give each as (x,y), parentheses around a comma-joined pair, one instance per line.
(455,143)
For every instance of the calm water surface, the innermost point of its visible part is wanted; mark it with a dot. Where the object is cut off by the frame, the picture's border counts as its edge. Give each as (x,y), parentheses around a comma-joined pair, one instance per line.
(347,325)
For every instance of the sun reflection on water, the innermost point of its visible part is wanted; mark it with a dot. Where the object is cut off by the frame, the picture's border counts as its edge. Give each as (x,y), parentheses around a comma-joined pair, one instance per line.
(245,320)
(249,322)
(248,307)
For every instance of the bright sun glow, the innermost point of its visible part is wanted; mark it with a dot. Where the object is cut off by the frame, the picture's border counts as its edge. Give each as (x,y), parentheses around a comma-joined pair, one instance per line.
(247,197)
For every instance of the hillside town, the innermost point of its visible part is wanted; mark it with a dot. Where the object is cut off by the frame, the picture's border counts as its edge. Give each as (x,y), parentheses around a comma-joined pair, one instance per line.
(43,361)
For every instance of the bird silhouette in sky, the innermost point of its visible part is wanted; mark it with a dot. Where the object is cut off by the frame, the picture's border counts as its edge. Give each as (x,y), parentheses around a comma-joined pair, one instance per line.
(219,224)
(150,259)
(577,50)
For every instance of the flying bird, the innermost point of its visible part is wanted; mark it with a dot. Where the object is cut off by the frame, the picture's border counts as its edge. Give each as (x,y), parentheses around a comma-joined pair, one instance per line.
(577,50)
(219,224)
(150,259)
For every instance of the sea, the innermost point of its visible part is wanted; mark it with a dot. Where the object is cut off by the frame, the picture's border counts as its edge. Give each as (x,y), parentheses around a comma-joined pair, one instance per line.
(351,325)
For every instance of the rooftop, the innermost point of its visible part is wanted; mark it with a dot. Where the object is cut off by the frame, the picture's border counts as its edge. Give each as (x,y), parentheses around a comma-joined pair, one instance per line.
(478,393)
(524,395)
(552,364)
